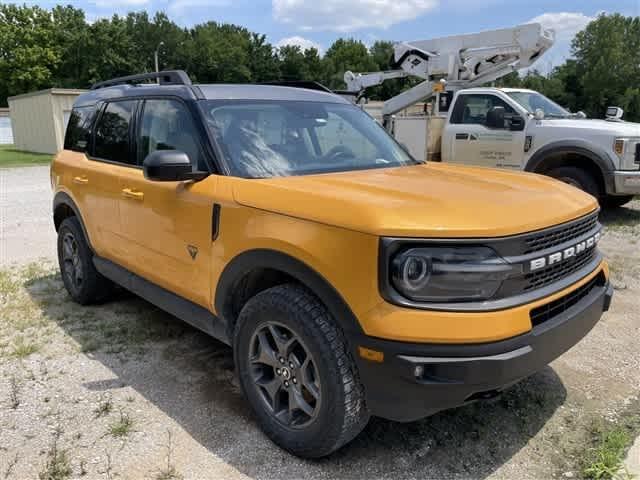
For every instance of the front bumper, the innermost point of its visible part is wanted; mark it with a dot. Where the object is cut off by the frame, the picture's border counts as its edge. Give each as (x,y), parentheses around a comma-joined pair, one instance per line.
(453,375)
(625,182)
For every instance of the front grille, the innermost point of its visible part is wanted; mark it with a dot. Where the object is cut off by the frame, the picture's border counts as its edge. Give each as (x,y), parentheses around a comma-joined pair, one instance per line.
(550,310)
(637,157)
(545,276)
(556,236)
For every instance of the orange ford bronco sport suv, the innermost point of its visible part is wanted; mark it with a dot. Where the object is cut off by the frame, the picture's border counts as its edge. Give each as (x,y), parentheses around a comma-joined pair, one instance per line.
(350,279)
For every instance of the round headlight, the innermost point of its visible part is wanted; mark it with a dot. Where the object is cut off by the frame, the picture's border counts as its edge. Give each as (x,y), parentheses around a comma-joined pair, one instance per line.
(414,271)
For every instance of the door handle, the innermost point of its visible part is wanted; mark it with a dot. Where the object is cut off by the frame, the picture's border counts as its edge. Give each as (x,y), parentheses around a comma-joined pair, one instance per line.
(134,194)
(81,180)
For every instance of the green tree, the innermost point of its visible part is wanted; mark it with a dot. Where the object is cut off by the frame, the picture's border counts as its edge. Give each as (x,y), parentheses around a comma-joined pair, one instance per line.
(607,56)
(345,55)
(28,53)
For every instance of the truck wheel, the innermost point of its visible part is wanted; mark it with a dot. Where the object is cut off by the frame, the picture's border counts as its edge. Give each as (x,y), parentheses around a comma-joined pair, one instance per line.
(578,178)
(296,372)
(615,201)
(80,277)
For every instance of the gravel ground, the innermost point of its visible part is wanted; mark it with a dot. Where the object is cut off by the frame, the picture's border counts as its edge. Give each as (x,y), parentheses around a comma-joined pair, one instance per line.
(124,390)
(26,226)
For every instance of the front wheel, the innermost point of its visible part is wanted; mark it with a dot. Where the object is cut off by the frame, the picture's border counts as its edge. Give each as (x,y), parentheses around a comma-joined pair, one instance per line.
(80,277)
(578,178)
(296,372)
(615,201)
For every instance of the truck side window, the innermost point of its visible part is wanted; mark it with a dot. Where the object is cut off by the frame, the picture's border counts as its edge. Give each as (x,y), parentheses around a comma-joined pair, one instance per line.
(472,108)
(168,125)
(79,129)
(112,132)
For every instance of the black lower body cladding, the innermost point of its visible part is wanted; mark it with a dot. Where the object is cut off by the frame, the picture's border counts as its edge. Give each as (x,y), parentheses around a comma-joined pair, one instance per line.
(417,380)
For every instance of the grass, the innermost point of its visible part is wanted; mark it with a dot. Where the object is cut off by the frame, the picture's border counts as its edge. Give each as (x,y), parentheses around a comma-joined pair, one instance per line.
(24,348)
(104,407)
(609,445)
(121,427)
(10,157)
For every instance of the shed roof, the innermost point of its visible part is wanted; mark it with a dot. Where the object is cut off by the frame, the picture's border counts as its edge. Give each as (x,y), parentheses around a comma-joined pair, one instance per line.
(50,91)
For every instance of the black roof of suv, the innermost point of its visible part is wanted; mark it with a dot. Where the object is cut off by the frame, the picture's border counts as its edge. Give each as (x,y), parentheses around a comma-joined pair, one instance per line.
(177,83)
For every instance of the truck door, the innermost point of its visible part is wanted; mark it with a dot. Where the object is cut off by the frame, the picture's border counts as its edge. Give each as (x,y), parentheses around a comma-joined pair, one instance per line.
(470,141)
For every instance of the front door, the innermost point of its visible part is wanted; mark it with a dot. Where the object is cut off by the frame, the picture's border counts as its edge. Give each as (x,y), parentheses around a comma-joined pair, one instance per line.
(472,142)
(167,225)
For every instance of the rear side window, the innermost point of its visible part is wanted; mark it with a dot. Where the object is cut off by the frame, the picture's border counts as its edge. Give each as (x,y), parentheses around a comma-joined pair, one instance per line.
(112,137)
(79,129)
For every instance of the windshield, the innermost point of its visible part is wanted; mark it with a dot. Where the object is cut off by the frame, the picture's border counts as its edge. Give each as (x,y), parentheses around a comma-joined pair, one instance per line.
(269,138)
(532,101)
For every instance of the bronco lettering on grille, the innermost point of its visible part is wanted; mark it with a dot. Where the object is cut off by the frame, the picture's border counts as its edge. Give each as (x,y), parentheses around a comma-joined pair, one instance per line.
(557,257)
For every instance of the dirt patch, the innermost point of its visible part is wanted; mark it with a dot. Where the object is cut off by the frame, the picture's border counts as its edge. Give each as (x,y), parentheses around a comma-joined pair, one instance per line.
(123,390)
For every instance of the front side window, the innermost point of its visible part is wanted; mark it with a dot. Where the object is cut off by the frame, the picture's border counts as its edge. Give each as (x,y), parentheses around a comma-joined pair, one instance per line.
(79,129)
(532,101)
(473,108)
(168,125)
(112,132)
(270,138)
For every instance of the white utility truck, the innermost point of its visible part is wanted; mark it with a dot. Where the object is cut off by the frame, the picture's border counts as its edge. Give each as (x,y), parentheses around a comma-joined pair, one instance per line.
(502,127)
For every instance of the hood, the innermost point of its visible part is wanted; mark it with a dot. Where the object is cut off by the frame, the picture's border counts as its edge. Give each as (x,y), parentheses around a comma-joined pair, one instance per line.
(616,129)
(430,200)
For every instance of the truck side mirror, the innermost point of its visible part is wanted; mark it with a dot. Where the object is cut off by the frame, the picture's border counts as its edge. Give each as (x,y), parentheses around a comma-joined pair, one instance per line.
(169,166)
(495,117)
(516,124)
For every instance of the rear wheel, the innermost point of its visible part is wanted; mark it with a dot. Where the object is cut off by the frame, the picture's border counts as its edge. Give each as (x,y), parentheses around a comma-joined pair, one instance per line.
(296,372)
(79,275)
(615,201)
(578,178)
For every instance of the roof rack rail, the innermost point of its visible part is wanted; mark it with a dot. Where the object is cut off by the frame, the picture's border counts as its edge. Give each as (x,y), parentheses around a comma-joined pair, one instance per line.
(309,84)
(167,77)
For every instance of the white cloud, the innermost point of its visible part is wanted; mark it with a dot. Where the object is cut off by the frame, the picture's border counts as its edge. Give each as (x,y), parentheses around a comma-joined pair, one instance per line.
(566,25)
(303,43)
(348,15)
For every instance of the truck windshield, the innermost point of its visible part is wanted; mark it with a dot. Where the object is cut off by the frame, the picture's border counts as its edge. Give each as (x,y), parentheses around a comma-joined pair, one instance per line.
(268,138)
(533,101)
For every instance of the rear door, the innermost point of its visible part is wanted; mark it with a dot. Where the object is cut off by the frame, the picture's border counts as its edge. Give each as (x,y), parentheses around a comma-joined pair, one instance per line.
(470,141)
(168,225)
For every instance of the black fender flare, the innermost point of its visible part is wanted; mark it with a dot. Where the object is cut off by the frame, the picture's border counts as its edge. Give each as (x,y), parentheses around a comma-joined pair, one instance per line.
(579,147)
(62,198)
(242,264)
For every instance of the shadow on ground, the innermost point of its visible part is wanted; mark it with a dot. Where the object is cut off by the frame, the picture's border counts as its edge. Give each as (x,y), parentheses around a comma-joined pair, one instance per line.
(620,216)
(190,378)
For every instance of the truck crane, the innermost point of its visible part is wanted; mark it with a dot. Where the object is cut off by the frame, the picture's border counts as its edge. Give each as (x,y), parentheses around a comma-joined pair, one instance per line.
(521,129)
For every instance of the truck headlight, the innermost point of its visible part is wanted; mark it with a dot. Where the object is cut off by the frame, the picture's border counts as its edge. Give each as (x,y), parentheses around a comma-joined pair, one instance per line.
(448,274)
(618,146)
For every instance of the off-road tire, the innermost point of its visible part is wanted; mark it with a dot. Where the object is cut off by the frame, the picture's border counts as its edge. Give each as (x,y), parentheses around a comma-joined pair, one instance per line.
(342,414)
(94,287)
(615,201)
(577,177)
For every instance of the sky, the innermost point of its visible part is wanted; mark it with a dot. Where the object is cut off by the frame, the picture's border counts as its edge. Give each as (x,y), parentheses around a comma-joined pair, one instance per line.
(319,22)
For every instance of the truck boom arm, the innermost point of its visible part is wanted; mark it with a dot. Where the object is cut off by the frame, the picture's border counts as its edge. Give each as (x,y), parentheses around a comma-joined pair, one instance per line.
(461,61)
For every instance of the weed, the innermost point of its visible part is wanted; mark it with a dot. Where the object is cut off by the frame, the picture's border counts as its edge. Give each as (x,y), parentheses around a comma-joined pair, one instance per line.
(105,407)
(14,392)
(121,427)
(57,466)
(169,471)
(605,459)
(23,348)
(11,466)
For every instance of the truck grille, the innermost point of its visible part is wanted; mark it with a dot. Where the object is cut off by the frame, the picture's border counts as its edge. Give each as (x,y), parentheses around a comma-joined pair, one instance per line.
(556,272)
(552,309)
(548,239)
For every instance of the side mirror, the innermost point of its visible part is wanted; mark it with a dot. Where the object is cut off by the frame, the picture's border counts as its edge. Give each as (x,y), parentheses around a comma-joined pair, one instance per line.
(169,166)
(516,124)
(495,117)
